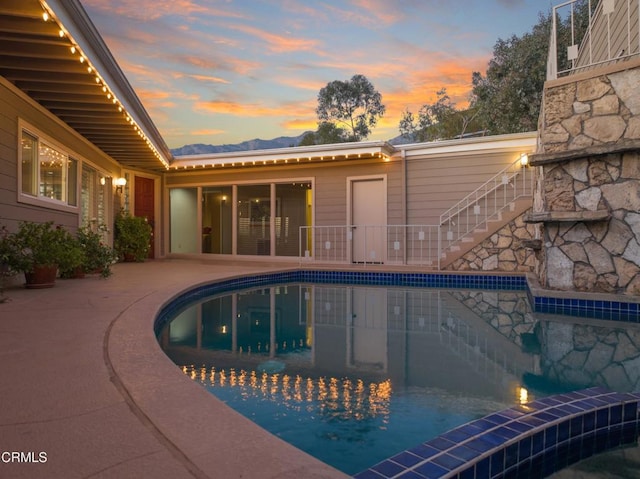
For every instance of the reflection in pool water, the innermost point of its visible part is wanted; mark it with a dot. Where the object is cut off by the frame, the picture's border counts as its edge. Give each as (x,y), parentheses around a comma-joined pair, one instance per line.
(354,374)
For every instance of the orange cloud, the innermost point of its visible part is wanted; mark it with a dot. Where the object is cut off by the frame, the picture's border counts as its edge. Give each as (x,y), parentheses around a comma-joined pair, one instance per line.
(202,78)
(300,124)
(383,11)
(206,132)
(154,9)
(237,109)
(278,43)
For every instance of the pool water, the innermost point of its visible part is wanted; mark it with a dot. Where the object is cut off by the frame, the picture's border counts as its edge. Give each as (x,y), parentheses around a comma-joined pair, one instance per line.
(355,374)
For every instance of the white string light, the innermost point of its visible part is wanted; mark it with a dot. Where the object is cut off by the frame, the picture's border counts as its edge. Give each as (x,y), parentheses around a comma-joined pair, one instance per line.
(47,15)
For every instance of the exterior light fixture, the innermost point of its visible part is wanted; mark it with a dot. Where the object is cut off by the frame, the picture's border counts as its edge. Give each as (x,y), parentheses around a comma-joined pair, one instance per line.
(524,160)
(120,182)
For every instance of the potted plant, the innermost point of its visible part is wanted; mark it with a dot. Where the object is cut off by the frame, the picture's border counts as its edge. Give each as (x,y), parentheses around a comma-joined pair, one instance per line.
(39,249)
(132,237)
(98,256)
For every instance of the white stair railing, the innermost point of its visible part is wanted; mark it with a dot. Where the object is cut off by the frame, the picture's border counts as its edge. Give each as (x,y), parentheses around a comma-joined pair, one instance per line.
(486,203)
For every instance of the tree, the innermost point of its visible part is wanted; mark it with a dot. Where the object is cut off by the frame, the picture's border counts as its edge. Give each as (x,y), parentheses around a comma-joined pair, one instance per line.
(509,95)
(437,121)
(326,133)
(353,105)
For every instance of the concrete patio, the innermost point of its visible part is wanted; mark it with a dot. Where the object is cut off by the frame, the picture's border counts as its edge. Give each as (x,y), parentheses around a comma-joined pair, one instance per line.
(84,381)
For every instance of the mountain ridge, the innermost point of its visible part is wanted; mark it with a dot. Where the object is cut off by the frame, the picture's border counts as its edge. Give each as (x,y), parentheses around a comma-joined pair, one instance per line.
(255,144)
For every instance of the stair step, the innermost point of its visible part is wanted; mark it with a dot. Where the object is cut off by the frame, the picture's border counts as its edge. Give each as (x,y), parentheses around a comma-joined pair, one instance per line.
(467,239)
(454,248)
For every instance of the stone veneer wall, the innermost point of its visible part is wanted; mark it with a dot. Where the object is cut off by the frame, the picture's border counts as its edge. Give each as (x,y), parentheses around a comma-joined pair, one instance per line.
(507,312)
(502,251)
(590,168)
(581,354)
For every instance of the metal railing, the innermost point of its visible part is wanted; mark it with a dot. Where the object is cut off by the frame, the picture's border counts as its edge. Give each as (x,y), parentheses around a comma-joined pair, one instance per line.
(588,33)
(422,245)
(372,244)
(486,203)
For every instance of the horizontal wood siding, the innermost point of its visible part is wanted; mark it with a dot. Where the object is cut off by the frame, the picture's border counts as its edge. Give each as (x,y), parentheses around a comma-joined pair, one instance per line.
(434,184)
(623,31)
(12,107)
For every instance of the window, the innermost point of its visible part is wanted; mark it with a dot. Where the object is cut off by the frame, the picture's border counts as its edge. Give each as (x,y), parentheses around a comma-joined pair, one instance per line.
(47,173)
(93,197)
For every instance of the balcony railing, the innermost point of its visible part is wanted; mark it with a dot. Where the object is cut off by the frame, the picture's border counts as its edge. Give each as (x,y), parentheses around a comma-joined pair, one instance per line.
(590,33)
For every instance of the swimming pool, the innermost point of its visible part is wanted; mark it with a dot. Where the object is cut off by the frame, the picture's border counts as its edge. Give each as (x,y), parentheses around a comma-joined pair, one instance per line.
(271,352)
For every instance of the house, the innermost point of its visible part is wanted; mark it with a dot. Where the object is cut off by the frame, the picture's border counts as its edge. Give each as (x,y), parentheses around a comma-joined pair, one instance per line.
(78,147)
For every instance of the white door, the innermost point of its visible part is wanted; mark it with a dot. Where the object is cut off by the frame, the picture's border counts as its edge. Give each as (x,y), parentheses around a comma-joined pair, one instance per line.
(368,332)
(368,217)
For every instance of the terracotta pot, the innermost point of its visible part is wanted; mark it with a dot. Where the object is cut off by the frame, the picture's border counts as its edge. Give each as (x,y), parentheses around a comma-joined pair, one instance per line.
(41,277)
(129,258)
(78,273)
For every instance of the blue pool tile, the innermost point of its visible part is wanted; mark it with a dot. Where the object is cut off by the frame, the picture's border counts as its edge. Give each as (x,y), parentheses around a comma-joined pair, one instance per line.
(440,443)
(410,475)
(447,461)
(430,470)
(482,468)
(512,413)
(575,426)
(424,451)
(497,462)
(483,424)
(480,444)
(456,435)
(550,437)
(388,468)
(630,412)
(532,421)
(472,429)
(521,426)
(497,418)
(545,416)
(505,432)
(464,452)
(602,418)
(524,448)
(407,459)
(564,430)
(615,414)
(511,455)
(566,410)
(368,474)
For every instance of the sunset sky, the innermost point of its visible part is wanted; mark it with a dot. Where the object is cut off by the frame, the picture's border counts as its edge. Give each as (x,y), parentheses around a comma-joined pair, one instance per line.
(225,71)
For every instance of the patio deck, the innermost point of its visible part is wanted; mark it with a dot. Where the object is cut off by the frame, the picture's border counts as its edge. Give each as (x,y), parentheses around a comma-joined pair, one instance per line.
(84,381)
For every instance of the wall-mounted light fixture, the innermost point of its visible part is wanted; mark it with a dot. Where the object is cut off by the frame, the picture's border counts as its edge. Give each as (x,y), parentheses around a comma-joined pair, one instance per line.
(120,182)
(524,160)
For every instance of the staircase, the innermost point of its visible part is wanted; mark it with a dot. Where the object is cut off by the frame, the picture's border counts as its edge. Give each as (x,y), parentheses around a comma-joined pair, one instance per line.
(484,211)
